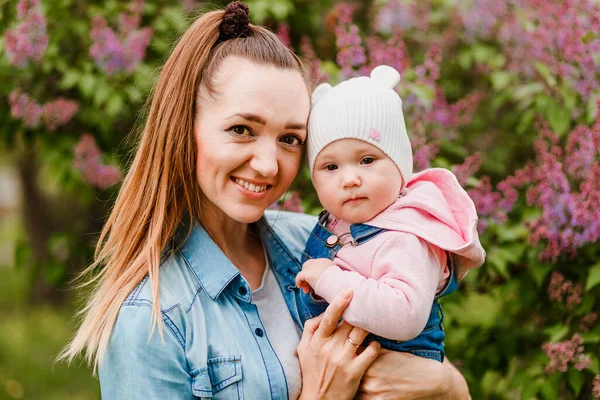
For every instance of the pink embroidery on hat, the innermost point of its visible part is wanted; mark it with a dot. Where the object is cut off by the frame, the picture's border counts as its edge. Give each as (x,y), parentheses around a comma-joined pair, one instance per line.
(375,135)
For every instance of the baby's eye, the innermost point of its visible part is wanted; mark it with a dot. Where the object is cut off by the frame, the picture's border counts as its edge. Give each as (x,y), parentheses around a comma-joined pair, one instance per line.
(240,130)
(331,167)
(367,160)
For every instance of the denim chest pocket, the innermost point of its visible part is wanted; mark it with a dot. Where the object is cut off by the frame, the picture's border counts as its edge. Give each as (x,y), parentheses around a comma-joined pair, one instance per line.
(219,379)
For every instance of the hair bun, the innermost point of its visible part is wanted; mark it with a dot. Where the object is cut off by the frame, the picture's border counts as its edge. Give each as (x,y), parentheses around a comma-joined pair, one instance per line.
(235,21)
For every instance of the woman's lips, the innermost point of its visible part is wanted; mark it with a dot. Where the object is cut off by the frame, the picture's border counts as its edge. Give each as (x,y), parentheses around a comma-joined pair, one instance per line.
(250,190)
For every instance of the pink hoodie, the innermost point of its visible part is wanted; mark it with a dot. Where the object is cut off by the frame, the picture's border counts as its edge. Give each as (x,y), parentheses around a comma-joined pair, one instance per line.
(396,275)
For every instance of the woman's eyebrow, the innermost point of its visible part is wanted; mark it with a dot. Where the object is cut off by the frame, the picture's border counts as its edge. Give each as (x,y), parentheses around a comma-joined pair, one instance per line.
(260,120)
(296,125)
(250,117)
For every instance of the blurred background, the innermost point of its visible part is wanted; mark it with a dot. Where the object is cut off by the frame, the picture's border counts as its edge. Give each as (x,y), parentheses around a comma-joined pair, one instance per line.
(503,92)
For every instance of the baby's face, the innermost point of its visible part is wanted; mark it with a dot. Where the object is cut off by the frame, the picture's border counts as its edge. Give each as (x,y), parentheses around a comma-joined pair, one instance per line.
(355,180)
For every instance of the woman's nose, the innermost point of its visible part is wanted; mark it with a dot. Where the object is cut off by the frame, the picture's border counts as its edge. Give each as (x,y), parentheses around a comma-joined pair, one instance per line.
(264,160)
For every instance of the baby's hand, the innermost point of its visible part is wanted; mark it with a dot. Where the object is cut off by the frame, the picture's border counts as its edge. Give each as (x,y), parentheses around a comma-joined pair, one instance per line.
(311,272)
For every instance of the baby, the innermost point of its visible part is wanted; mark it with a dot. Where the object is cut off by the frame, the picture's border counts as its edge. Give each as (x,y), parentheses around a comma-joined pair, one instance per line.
(399,240)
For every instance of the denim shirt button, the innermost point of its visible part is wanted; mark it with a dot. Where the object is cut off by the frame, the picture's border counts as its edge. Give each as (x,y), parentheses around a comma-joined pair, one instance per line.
(332,240)
(259,332)
(242,290)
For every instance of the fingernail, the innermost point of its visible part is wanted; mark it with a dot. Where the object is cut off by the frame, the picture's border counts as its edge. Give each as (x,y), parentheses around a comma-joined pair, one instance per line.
(346,294)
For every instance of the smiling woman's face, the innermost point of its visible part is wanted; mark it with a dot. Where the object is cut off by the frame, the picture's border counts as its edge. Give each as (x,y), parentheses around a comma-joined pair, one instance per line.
(249,137)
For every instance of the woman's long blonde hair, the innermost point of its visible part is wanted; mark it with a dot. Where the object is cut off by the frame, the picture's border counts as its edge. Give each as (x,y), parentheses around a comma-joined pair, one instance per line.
(161,185)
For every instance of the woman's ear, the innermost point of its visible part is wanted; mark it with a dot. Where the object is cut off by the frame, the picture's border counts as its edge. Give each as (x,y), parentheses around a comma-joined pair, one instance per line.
(385,76)
(320,91)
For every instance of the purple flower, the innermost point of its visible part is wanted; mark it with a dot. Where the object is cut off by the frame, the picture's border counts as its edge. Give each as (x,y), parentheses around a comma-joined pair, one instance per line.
(292,202)
(562,354)
(58,113)
(563,184)
(562,35)
(468,168)
(123,50)
(88,159)
(315,70)
(28,40)
(283,32)
(52,115)
(596,387)
(24,107)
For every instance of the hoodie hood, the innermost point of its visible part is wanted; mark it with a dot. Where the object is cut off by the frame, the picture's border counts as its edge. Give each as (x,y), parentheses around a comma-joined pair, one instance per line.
(434,207)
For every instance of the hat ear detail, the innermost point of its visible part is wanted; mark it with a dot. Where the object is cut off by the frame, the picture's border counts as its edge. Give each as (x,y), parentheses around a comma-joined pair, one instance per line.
(385,76)
(320,91)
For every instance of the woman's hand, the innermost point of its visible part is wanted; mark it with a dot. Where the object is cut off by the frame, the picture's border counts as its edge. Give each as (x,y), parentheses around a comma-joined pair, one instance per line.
(331,367)
(403,376)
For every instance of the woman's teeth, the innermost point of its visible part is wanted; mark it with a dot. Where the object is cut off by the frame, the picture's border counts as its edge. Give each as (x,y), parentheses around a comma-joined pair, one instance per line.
(250,186)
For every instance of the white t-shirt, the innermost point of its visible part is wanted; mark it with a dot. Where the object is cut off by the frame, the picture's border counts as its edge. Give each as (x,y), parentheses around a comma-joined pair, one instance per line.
(283,333)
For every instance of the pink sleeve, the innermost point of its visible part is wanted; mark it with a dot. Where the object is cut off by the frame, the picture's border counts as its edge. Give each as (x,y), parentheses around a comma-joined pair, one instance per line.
(396,300)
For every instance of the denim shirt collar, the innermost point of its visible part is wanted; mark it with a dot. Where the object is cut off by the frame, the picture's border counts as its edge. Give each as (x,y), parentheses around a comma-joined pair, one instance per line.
(214,270)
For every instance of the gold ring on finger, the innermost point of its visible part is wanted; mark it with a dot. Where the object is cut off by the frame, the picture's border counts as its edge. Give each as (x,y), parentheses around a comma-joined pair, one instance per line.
(353,342)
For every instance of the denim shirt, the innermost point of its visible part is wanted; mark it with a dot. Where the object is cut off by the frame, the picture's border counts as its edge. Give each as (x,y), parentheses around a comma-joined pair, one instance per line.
(214,344)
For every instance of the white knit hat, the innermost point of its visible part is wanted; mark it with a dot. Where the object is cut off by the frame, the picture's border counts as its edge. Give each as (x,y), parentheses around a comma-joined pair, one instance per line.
(365,108)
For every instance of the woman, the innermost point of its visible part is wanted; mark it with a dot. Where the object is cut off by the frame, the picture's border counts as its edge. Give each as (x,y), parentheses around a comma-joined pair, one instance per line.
(188,250)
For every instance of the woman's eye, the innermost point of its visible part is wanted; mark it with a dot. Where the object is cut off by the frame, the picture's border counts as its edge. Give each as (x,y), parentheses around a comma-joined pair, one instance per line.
(367,160)
(240,130)
(331,167)
(292,140)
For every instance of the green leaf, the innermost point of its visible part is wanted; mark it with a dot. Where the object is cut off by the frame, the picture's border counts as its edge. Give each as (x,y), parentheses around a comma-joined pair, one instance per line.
(512,233)
(465,60)
(483,54)
(575,379)
(101,95)
(530,391)
(496,259)
(569,97)
(424,93)
(69,79)
(526,121)
(545,72)
(134,94)
(556,332)
(114,105)
(593,277)
(592,109)
(539,272)
(559,119)
(87,85)
(595,368)
(588,37)
(281,9)
(548,388)
(527,91)
(590,337)
(484,309)
(500,79)
(260,10)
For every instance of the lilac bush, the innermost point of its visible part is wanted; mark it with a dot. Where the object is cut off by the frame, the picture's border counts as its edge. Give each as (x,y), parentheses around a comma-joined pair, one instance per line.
(27,41)
(121,50)
(502,92)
